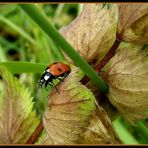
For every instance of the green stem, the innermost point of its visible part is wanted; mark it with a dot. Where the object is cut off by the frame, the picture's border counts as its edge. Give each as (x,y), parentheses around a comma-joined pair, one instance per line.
(50,30)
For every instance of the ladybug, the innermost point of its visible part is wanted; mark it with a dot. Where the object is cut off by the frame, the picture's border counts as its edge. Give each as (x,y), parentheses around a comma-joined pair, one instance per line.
(57,70)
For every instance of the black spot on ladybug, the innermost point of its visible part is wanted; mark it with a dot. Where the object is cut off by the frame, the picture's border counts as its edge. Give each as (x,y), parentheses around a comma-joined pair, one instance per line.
(60,69)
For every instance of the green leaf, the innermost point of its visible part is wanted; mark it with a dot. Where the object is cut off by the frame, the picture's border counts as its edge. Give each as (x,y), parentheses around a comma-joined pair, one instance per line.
(24,67)
(17,117)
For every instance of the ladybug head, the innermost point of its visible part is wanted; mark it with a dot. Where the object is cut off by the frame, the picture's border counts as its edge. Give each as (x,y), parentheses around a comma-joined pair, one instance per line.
(44,79)
(40,83)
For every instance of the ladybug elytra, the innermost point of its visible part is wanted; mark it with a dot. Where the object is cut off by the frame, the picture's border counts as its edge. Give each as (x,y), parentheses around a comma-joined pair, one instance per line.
(57,70)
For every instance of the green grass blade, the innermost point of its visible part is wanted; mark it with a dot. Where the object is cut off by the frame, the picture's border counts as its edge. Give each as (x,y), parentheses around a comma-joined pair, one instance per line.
(17,29)
(125,136)
(58,11)
(50,30)
(143,129)
(7,44)
(80,8)
(2,54)
(24,67)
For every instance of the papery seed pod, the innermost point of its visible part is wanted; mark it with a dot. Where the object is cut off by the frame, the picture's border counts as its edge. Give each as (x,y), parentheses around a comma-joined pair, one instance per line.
(128,82)
(133,23)
(93,32)
(74,117)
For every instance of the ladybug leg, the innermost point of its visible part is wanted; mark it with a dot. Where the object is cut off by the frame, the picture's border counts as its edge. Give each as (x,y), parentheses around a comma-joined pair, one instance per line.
(46,84)
(66,74)
(39,86)
(60,79)
(55,87)
(63,75)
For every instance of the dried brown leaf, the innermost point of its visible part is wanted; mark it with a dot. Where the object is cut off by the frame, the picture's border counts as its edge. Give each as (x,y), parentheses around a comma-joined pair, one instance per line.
(93,32)
(133,23)
(73,116)
(100,130)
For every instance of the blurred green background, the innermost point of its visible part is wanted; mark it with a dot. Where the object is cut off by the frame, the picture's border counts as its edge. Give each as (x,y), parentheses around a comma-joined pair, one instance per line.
(22,40)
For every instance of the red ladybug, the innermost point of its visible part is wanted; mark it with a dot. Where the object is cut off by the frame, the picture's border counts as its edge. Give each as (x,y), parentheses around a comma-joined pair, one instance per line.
(54,71)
